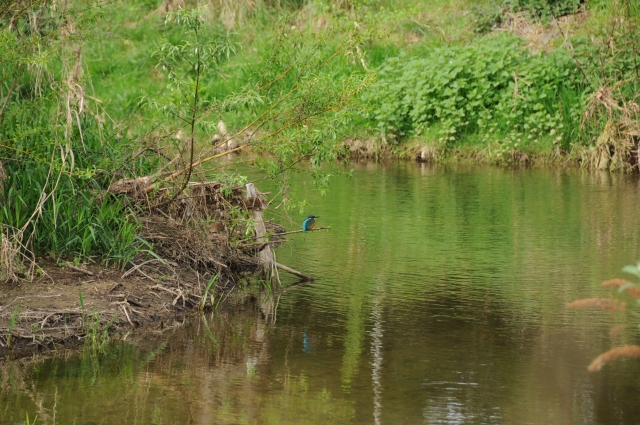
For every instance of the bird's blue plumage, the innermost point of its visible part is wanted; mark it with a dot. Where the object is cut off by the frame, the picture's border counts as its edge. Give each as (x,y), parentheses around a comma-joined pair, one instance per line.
(309,222)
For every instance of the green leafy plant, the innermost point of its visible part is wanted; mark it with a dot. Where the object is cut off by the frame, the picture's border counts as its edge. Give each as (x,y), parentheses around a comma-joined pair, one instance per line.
(485,19)
(544,8)
(210,284)
(13,321)
(495,89)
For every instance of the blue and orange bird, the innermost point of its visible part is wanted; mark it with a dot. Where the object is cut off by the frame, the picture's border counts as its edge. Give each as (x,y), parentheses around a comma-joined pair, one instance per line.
(309,222)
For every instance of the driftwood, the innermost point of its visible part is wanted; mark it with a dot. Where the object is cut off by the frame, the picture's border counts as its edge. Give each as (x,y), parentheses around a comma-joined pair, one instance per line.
(78,269)
(257,203)
(294,272)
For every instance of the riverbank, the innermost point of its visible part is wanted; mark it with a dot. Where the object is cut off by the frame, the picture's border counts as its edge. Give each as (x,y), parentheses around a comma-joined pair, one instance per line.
(494,155)
(510,83)
(69,307)
(200,251)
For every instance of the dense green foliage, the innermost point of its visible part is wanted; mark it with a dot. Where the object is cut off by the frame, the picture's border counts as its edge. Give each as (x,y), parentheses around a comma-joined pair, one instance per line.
(57,158)
(491,89)
(62,148)
(544,8)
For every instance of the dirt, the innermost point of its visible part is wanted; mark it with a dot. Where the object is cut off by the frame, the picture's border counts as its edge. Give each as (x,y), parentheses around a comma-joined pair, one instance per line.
(65,306)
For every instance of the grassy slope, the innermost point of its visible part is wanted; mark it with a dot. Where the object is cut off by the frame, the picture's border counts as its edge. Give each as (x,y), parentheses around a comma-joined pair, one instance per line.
(123,68)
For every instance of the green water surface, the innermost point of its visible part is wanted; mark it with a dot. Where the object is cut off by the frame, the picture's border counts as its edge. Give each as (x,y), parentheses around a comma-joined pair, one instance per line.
(439,299)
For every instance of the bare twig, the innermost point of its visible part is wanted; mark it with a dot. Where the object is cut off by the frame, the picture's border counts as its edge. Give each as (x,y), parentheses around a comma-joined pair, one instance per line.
(568,43)
(127,314)
(133,269)
(78,269)
(6,102)
(293,272)
(29,296)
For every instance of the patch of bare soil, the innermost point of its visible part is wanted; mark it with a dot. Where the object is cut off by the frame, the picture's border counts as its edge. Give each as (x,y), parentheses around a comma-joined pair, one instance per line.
(64,307)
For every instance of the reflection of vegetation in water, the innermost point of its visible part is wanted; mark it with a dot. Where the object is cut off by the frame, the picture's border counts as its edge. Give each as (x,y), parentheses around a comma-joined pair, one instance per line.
(209,372)
(353,340)
(298,404)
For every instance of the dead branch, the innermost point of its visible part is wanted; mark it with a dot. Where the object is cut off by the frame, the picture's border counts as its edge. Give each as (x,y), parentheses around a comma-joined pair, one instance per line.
(78,269)
(133,269)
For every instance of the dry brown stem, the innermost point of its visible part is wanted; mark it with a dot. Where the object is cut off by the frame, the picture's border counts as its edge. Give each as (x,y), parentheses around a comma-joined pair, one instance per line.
(624,352)
(617,146)
(616,283)
(633,291)
(606,304)
(9,257)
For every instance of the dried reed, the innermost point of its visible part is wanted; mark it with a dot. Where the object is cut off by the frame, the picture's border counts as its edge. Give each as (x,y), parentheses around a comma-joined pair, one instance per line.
(616,283)
(625,352)
(598,303)
(615,331)
(633,291)
(617,144)
(9,255)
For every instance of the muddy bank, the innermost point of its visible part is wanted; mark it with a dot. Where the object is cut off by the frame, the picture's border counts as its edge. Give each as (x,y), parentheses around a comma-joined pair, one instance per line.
(66,307)
(206,243)
(594,158)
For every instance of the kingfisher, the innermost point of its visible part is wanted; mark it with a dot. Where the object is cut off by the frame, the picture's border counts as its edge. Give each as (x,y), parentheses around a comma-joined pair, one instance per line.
(309,222)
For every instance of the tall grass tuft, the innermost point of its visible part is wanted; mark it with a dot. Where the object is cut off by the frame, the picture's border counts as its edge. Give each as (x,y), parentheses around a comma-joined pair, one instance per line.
(210,284)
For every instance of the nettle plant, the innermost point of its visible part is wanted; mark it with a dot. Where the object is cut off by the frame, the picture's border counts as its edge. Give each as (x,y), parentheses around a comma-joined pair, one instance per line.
(497,88)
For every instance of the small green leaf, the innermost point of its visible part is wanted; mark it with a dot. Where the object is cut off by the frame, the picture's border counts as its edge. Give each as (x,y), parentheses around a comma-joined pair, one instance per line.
(625,287)
(634,270)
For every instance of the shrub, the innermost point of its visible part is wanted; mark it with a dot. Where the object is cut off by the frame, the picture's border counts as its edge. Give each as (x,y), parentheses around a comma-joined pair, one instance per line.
(497,86)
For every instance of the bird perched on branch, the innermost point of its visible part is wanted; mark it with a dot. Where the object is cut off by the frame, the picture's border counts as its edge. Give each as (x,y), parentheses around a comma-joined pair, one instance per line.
(309,222)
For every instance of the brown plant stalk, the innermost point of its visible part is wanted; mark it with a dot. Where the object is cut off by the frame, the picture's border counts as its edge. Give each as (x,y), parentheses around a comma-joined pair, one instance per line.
(624,352)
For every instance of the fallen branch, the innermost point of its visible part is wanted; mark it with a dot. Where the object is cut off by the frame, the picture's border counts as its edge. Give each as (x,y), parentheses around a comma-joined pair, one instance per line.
(163,289)
(294,272)
(78,269)
(147,276)
(133,269)
(302,231)
(127,314)
(286,233)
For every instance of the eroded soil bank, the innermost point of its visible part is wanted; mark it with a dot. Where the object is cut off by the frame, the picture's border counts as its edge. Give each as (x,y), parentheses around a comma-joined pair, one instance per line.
(205,245)
(67,307)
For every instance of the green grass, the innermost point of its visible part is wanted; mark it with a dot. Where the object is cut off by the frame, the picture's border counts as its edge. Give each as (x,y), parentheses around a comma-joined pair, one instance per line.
(124,70)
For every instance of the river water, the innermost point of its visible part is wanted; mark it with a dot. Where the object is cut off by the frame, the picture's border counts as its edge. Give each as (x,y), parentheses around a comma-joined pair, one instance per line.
(439,299)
